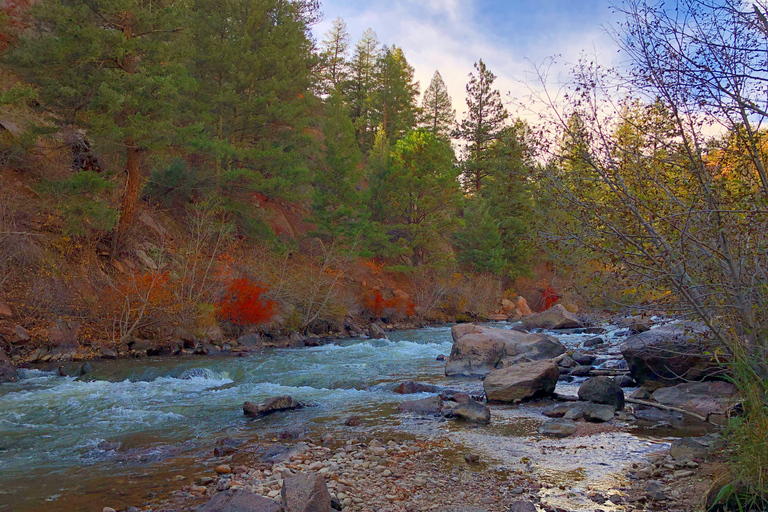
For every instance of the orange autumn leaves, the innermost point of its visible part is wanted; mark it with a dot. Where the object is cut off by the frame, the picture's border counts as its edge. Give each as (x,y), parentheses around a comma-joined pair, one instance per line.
(243,303)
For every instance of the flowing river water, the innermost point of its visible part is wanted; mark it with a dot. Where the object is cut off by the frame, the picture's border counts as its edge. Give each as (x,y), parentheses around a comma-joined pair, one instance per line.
(118,437)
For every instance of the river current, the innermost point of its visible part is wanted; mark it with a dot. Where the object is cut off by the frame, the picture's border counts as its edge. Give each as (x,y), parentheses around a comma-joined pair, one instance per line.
(119,436)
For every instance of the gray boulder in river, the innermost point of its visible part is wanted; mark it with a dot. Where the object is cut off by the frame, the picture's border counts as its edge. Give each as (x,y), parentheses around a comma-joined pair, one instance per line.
(556,317)
(278,403)
(306,492)
(521,381)
(673,353)
(477,350)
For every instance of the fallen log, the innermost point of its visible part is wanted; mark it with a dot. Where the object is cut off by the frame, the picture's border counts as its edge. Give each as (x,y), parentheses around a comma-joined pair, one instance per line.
(668,408)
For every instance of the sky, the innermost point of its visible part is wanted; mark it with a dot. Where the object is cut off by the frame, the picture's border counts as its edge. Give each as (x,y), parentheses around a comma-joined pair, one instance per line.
(511,36)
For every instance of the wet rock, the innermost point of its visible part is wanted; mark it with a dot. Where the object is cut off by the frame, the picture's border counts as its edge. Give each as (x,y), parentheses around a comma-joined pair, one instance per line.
(239,501)
(672,353)
(557,410)
(275,404)
(654,415)
(583,359)
(625,381)
(581,371)
(522,506)
(84,369)
(693,448)
(588,411)
(274,453)
(556,317)
(602,390)
(305,492)
(426,406)
(353,421)
(472,458)
(521,381)
(699,397)
(593,342)
(375,331)
(252,341)
(223,469)
(565,361)
(558,428)
(473,411)
(410,387)
(440,357)
(477,350)
(640,394)
(8,371)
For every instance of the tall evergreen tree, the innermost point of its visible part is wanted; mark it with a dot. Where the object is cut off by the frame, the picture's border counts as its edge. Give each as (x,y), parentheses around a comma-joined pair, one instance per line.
(482,125)
(438,114)
(395,100)
(361,87)
(255,64)
(338,203)
(334,56)
(116,69)
(418,196)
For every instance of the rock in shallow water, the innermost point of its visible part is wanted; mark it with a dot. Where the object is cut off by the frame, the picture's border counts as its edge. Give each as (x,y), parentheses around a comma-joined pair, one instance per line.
(425,406)
(558,428)
(521,381)
(556,317)
(278,403)
(590,412)
(602,390)
(473,411)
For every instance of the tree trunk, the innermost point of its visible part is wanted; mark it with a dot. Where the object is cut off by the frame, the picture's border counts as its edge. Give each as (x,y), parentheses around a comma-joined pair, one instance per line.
(131,194)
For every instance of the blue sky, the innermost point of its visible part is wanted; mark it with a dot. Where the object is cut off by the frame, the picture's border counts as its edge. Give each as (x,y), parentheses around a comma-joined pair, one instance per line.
(450,35)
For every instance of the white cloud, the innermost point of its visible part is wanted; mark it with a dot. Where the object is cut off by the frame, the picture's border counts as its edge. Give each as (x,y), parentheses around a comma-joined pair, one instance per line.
(445,35)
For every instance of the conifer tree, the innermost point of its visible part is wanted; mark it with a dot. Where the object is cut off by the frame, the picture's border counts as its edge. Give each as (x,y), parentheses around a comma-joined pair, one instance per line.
(338,204)
(334,56)
(255,67)
(438,114)
(482,125)
(395,100)
(361,87)
(117,72)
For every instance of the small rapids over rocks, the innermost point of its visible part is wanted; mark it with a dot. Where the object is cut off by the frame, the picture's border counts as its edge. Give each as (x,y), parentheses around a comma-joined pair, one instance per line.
(118,434)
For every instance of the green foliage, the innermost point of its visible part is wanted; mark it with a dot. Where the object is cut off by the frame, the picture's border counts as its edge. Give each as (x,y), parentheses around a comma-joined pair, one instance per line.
(339,206)
(484,122)
(254,64)
(83,203)
(438,114)
(415,198)
(361,86)
(479,243)
(174,185)
(395,98)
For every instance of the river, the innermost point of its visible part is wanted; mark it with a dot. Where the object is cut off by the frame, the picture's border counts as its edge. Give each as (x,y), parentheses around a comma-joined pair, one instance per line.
(118,437)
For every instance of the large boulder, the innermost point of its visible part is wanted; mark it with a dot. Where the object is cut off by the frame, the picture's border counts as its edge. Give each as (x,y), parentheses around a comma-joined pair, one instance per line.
(671,353)
(602,390)
(521,381)
(278,403)
(239,501)
(477,350)
(306,492)
(556,317)
(690,448)
(701,398)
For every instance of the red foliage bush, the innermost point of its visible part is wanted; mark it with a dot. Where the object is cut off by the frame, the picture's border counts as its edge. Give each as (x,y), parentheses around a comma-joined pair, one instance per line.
(549,297)
(243,303)
(377,305)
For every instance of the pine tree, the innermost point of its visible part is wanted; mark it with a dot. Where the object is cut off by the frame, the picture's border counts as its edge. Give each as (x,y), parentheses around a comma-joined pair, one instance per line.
(117,72)
(338,204)
(418,196)
(438,114)
(334,55)
(255,66)
(395,100)
(361,87)
(483,124)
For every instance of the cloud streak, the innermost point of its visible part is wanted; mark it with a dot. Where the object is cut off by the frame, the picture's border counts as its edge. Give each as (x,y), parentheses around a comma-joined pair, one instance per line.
(451,35)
